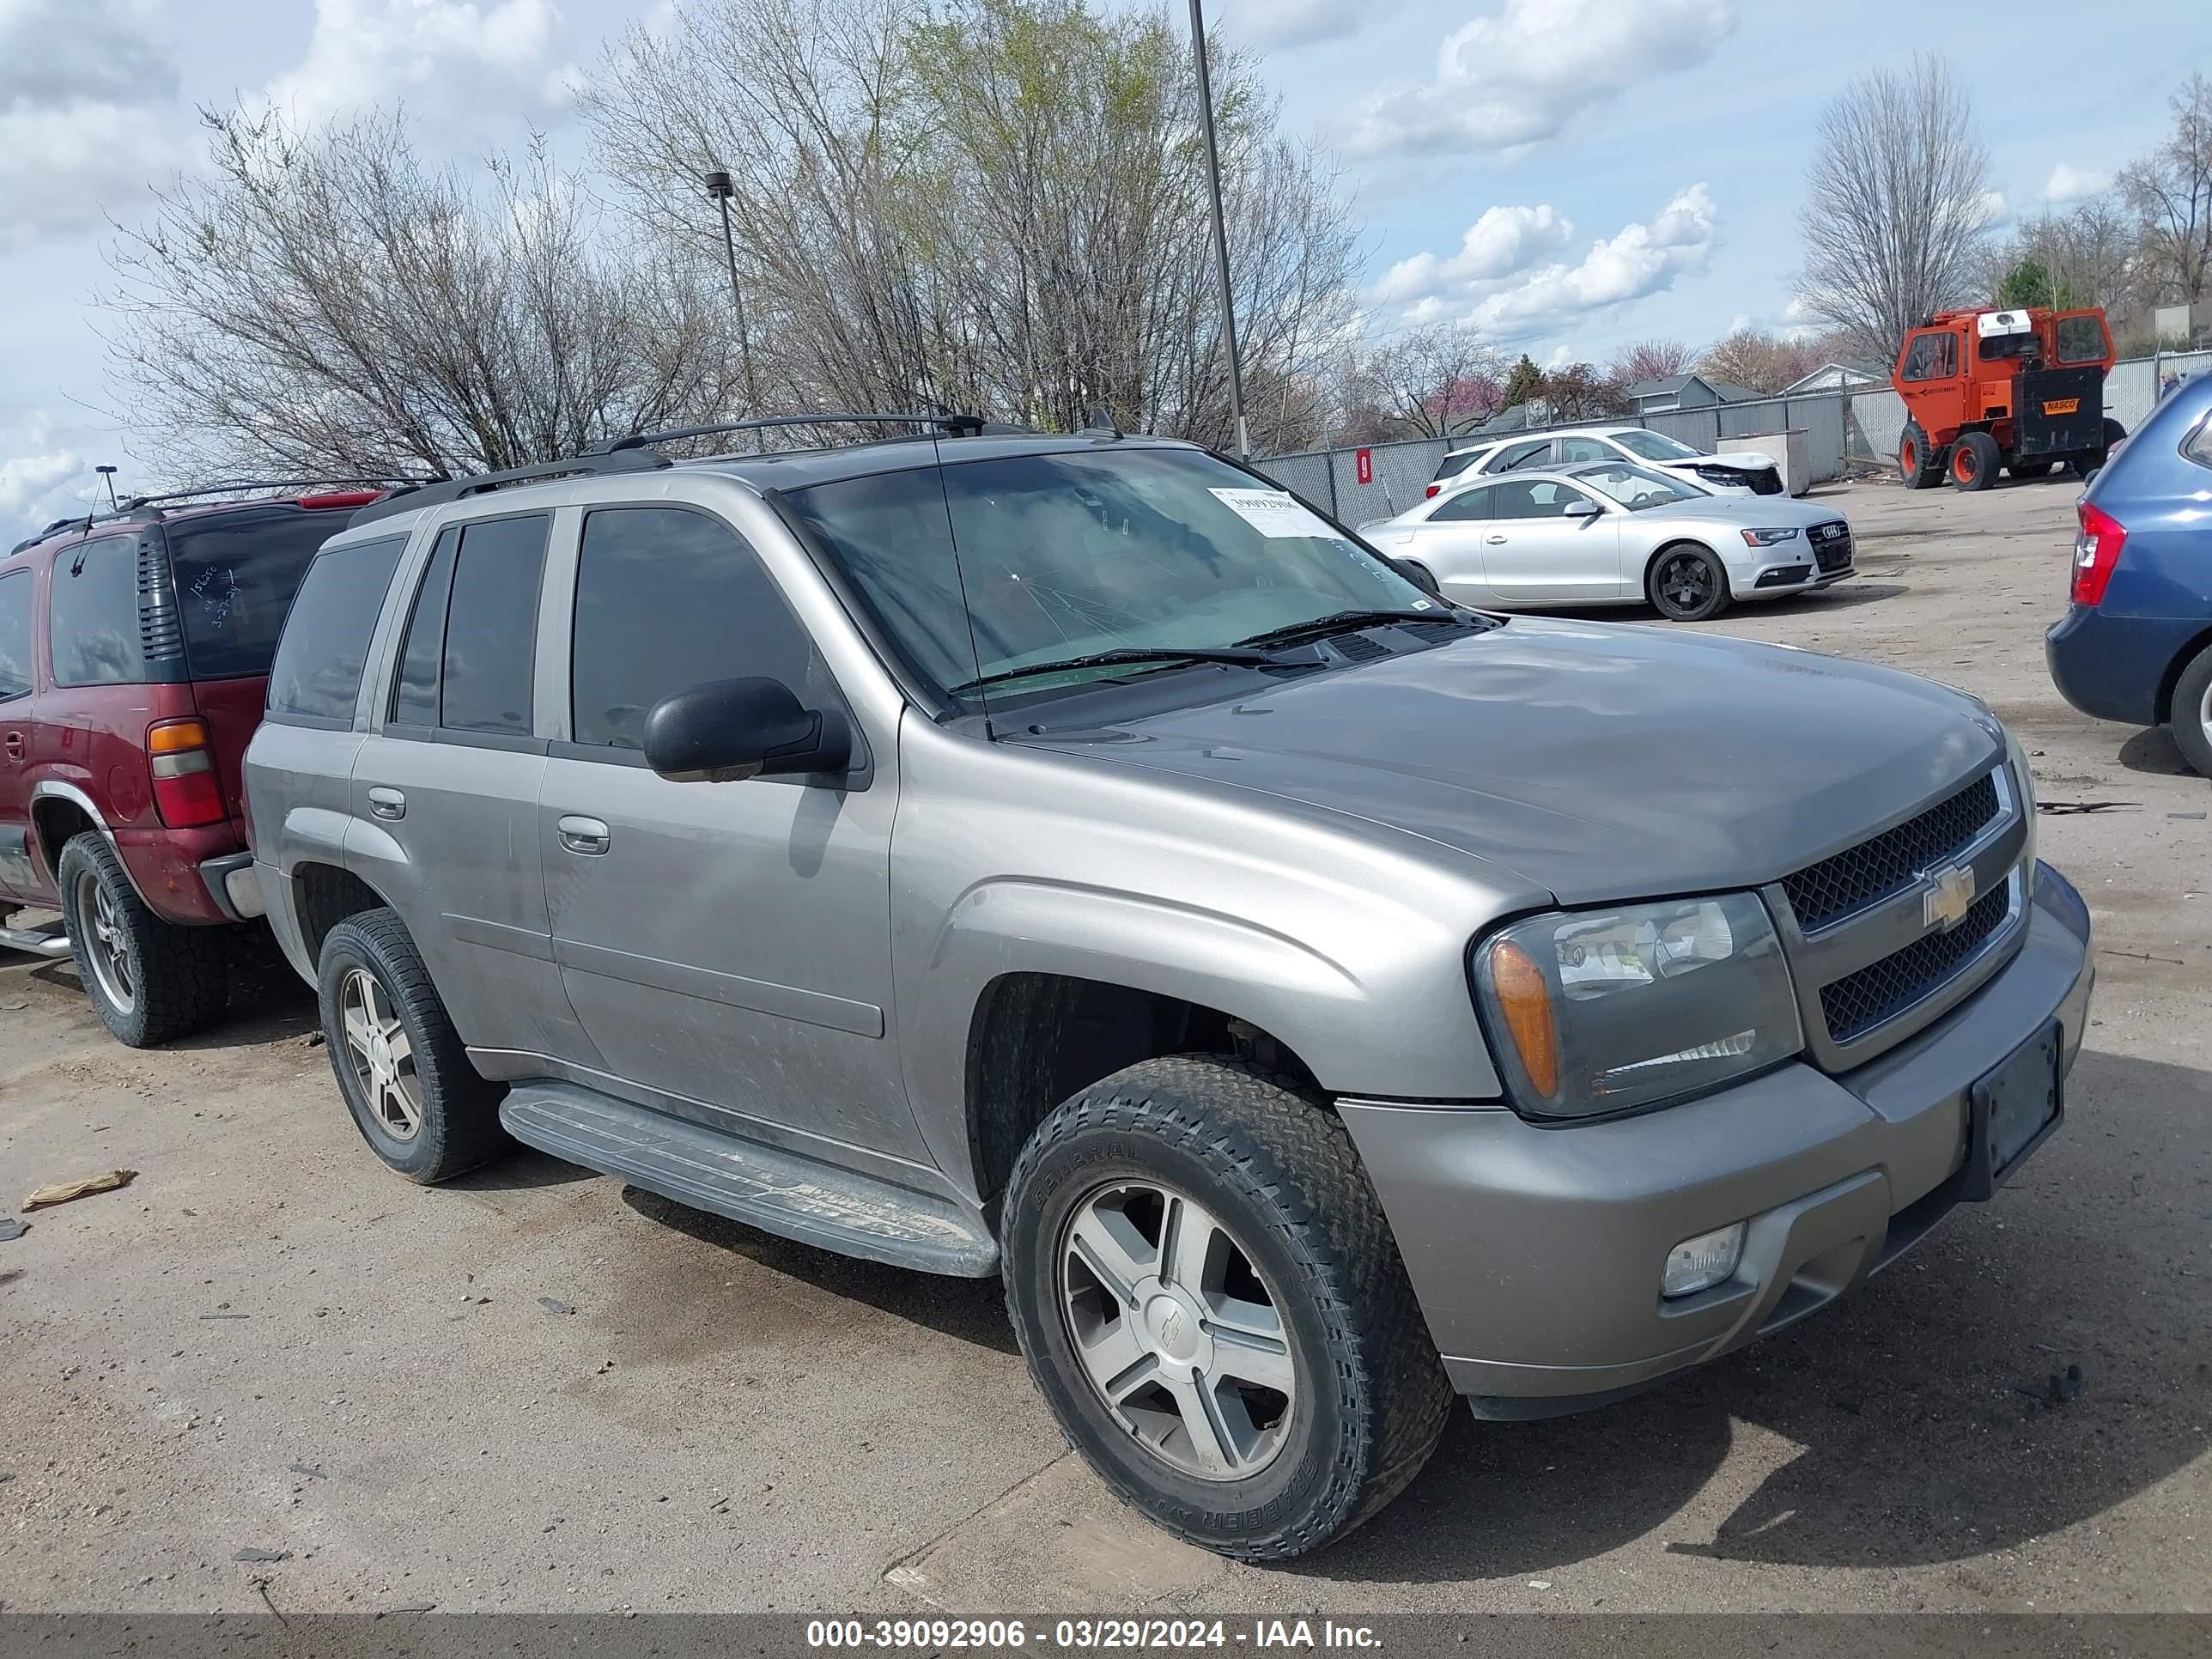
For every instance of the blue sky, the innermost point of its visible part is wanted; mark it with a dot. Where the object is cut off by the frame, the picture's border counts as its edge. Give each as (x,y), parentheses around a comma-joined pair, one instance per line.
(1570,174)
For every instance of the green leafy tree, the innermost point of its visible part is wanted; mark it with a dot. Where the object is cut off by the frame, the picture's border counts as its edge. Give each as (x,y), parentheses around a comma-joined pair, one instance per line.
(1526,381)
(2029,282)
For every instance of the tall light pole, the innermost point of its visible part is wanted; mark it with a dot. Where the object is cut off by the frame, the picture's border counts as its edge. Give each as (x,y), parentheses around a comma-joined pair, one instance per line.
(720,187)
(1220,231)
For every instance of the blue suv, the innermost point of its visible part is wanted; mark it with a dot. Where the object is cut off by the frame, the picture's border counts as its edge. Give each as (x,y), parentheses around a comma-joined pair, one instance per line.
(2135,644)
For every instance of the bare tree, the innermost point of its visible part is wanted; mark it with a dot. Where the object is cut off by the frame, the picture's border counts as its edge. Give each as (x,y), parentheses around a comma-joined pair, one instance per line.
(1895,210)
(992,204)
(2170,192)
(324,302)
(1651,359)
(2089,255)
(1439,380)
(1758,360)
(1580,392)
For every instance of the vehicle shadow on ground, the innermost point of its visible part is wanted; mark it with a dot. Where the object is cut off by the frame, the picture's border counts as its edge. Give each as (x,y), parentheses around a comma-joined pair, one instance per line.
(522,1169)
(1903,1424)
(969,1310)
(2152,751)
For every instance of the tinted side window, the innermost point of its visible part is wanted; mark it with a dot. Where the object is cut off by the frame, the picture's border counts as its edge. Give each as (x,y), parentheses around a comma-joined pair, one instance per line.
(1467,504)
(1931,356)
(1452,465)
(93,615)
(491,627)
(1535,498)
(14,634)
(235,574)
(324,644)
(1514,455)
(1583,449)
(415,696)
(668,599)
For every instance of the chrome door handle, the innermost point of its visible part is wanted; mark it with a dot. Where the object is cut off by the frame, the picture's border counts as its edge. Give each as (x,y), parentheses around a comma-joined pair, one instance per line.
(387,802)
(1494,540)
(586,835)
(14,745)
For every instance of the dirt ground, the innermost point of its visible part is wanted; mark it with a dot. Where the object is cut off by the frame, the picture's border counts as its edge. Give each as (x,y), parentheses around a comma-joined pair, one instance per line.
(538,1390)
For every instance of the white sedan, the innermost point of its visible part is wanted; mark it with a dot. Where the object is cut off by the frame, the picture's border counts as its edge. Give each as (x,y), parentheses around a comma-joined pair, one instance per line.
(1612,534)
(1739,473)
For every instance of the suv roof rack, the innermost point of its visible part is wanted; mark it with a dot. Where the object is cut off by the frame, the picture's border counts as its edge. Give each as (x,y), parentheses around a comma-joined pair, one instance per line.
(588,465)
(955,426)
(131,504)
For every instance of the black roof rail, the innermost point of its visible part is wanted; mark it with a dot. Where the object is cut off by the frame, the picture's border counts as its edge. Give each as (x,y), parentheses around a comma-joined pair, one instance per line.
(588,465)
(955,426)
(304,485)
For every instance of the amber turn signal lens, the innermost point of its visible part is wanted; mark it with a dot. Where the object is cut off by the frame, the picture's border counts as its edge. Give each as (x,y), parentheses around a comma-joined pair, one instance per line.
(1526,1002)
(174,737)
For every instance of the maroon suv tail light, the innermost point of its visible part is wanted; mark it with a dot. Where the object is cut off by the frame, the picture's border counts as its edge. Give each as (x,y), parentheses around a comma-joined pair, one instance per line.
(2095,552)
(186,792)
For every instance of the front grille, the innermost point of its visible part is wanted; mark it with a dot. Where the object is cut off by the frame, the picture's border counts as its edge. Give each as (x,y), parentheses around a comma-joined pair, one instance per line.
(1892,861)
(1858,1002)
(1834,553)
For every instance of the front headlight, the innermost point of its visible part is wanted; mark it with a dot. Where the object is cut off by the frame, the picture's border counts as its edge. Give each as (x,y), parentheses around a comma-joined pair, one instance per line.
(1768,538)
(1605,1011)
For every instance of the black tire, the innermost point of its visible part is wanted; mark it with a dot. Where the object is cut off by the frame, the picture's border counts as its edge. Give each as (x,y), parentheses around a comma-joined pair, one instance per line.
(1687,583)
(150,981)
(2086,467)
(1280,1173)
(2113,432)
(2189,717)
(1975,459)
(1919,463)
(1423,578)
(458,1111)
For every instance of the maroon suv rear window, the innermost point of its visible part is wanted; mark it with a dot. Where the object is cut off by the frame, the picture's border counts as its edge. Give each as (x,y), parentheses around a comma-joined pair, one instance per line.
(236,574)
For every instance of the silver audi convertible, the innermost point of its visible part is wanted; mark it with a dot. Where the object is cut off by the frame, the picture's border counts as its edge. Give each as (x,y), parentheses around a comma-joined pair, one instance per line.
(1609,532)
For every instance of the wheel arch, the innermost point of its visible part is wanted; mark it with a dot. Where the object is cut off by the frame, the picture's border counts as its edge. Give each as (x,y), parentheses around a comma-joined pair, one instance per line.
(323,896)
(2172,677)
(59,814)
(1652,564)
(1035,1039)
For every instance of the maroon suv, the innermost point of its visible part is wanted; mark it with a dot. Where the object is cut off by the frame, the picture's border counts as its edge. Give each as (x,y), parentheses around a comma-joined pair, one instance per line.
(134,658)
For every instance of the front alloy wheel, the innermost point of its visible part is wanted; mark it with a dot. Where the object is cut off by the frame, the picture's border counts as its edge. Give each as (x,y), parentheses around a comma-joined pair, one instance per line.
(1688,585)
(1177,1330)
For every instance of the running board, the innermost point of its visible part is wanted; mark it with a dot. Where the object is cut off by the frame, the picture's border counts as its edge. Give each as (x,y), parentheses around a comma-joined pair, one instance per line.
(47,941)
(765,1187)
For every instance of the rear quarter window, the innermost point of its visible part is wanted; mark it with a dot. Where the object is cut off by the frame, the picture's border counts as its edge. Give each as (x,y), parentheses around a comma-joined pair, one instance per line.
(93,625)
(324,649)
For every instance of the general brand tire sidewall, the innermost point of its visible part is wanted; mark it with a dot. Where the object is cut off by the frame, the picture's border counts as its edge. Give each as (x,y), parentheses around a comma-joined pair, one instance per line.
(344,951)
(1287,1490)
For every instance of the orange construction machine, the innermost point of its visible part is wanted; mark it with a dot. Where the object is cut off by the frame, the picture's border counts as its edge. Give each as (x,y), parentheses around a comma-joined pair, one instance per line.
(2020,390)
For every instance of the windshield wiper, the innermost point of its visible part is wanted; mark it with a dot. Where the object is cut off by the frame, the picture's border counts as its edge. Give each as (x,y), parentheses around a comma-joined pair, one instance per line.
(1236,654)
(1343,621)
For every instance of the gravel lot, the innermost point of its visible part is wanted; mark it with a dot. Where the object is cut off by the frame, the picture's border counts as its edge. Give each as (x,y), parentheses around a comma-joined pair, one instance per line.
(536,1390)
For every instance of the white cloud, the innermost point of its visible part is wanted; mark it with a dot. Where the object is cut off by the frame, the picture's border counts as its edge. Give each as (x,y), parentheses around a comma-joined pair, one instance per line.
(1524,299)
(1518,77)
(453,64)
(2068,183)
(1299,22)
(88,113)
(37,487)
(1993,209)
(1503,240)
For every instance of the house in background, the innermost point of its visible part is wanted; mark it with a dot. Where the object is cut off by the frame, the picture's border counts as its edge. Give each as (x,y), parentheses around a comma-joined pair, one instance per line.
(1836,377)
(1685,391)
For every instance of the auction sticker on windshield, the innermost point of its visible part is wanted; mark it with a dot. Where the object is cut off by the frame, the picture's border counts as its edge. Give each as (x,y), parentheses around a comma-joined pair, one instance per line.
(1275,513)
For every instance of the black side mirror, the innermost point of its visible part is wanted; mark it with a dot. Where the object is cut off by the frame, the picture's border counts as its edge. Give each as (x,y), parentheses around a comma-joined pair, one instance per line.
(726,731)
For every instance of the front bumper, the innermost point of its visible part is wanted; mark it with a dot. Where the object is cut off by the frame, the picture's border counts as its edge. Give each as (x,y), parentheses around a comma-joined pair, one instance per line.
(1537,1252)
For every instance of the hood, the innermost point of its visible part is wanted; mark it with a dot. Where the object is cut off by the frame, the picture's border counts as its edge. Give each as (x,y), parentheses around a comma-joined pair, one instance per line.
(1595,760)
(1742,460)
(1777,512)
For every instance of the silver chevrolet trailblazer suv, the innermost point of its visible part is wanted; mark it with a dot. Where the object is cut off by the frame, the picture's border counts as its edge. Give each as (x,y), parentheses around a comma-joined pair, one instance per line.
(1073,859)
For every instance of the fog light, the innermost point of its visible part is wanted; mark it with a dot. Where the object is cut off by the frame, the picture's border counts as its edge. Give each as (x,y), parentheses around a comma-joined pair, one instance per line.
(1698,1264)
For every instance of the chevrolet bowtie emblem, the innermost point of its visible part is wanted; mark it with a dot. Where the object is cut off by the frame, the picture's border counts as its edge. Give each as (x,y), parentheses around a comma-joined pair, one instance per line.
(1949,896)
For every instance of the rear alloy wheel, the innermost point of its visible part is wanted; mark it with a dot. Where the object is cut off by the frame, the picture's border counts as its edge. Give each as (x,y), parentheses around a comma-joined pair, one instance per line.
(1974,461)
(1688,583)
(150,983)
(2190,717)
(1919,463)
